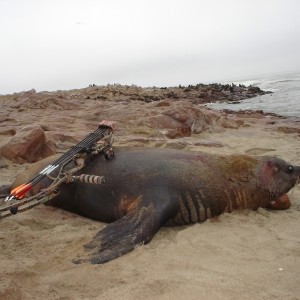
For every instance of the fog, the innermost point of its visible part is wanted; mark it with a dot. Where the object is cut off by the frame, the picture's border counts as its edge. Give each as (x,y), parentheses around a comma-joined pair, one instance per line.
(64,44)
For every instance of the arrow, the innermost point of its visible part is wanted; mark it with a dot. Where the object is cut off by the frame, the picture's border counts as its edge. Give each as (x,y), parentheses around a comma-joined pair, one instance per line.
(83,145)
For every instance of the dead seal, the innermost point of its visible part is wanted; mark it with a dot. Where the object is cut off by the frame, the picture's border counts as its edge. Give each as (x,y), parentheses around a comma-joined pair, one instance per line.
(148,188)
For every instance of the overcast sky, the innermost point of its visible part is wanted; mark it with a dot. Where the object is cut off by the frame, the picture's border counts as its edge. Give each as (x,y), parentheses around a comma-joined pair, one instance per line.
(64,44)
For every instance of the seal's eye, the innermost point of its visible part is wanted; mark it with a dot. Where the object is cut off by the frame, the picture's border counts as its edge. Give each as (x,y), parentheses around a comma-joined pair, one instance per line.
(290,169)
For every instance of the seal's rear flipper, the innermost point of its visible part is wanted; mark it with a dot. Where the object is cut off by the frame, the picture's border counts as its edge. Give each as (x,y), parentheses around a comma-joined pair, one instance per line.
(122,236)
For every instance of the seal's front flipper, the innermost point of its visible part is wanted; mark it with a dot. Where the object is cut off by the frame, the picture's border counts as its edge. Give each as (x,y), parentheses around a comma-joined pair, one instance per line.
(283,202)
(122,236)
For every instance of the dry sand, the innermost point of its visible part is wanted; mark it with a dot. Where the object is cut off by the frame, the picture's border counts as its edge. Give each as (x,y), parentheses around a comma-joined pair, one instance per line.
(243,255)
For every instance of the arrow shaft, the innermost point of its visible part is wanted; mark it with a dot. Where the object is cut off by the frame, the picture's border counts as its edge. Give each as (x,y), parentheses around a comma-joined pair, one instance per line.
(87,142)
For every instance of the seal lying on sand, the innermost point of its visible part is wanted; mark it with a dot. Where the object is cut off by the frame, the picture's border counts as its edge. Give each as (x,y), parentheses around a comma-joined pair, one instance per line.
(148,188)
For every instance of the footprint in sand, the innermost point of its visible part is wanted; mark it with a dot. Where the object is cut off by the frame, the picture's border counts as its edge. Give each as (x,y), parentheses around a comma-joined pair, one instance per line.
(258,151)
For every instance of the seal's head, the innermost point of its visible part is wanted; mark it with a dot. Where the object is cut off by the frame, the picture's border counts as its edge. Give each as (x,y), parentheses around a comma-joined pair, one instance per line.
(278,178)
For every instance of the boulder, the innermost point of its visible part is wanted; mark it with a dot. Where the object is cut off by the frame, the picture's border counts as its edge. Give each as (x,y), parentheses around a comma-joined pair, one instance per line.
(168,126)
(27,145)
(181,120)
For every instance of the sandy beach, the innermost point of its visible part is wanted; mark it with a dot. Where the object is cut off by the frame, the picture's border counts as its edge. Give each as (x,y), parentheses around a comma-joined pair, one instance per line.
(242,255)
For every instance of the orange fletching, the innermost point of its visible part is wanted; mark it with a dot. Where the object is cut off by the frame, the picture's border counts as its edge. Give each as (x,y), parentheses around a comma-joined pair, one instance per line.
(13,192)
(21,190)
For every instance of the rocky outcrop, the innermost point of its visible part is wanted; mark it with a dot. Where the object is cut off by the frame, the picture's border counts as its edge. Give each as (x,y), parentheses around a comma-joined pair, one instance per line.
(33,100)
(198,94)
(180,119)
(168,126)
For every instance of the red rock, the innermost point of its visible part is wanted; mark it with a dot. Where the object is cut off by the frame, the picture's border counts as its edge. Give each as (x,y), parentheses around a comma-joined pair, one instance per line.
(206,119)
(182,119)
(197,119)
(27,145)
(168,126)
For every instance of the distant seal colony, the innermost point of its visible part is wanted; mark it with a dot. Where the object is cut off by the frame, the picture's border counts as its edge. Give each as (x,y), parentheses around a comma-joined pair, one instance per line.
(146,189)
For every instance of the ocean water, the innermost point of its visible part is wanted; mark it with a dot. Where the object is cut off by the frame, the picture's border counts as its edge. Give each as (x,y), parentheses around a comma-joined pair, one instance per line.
(285,99)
